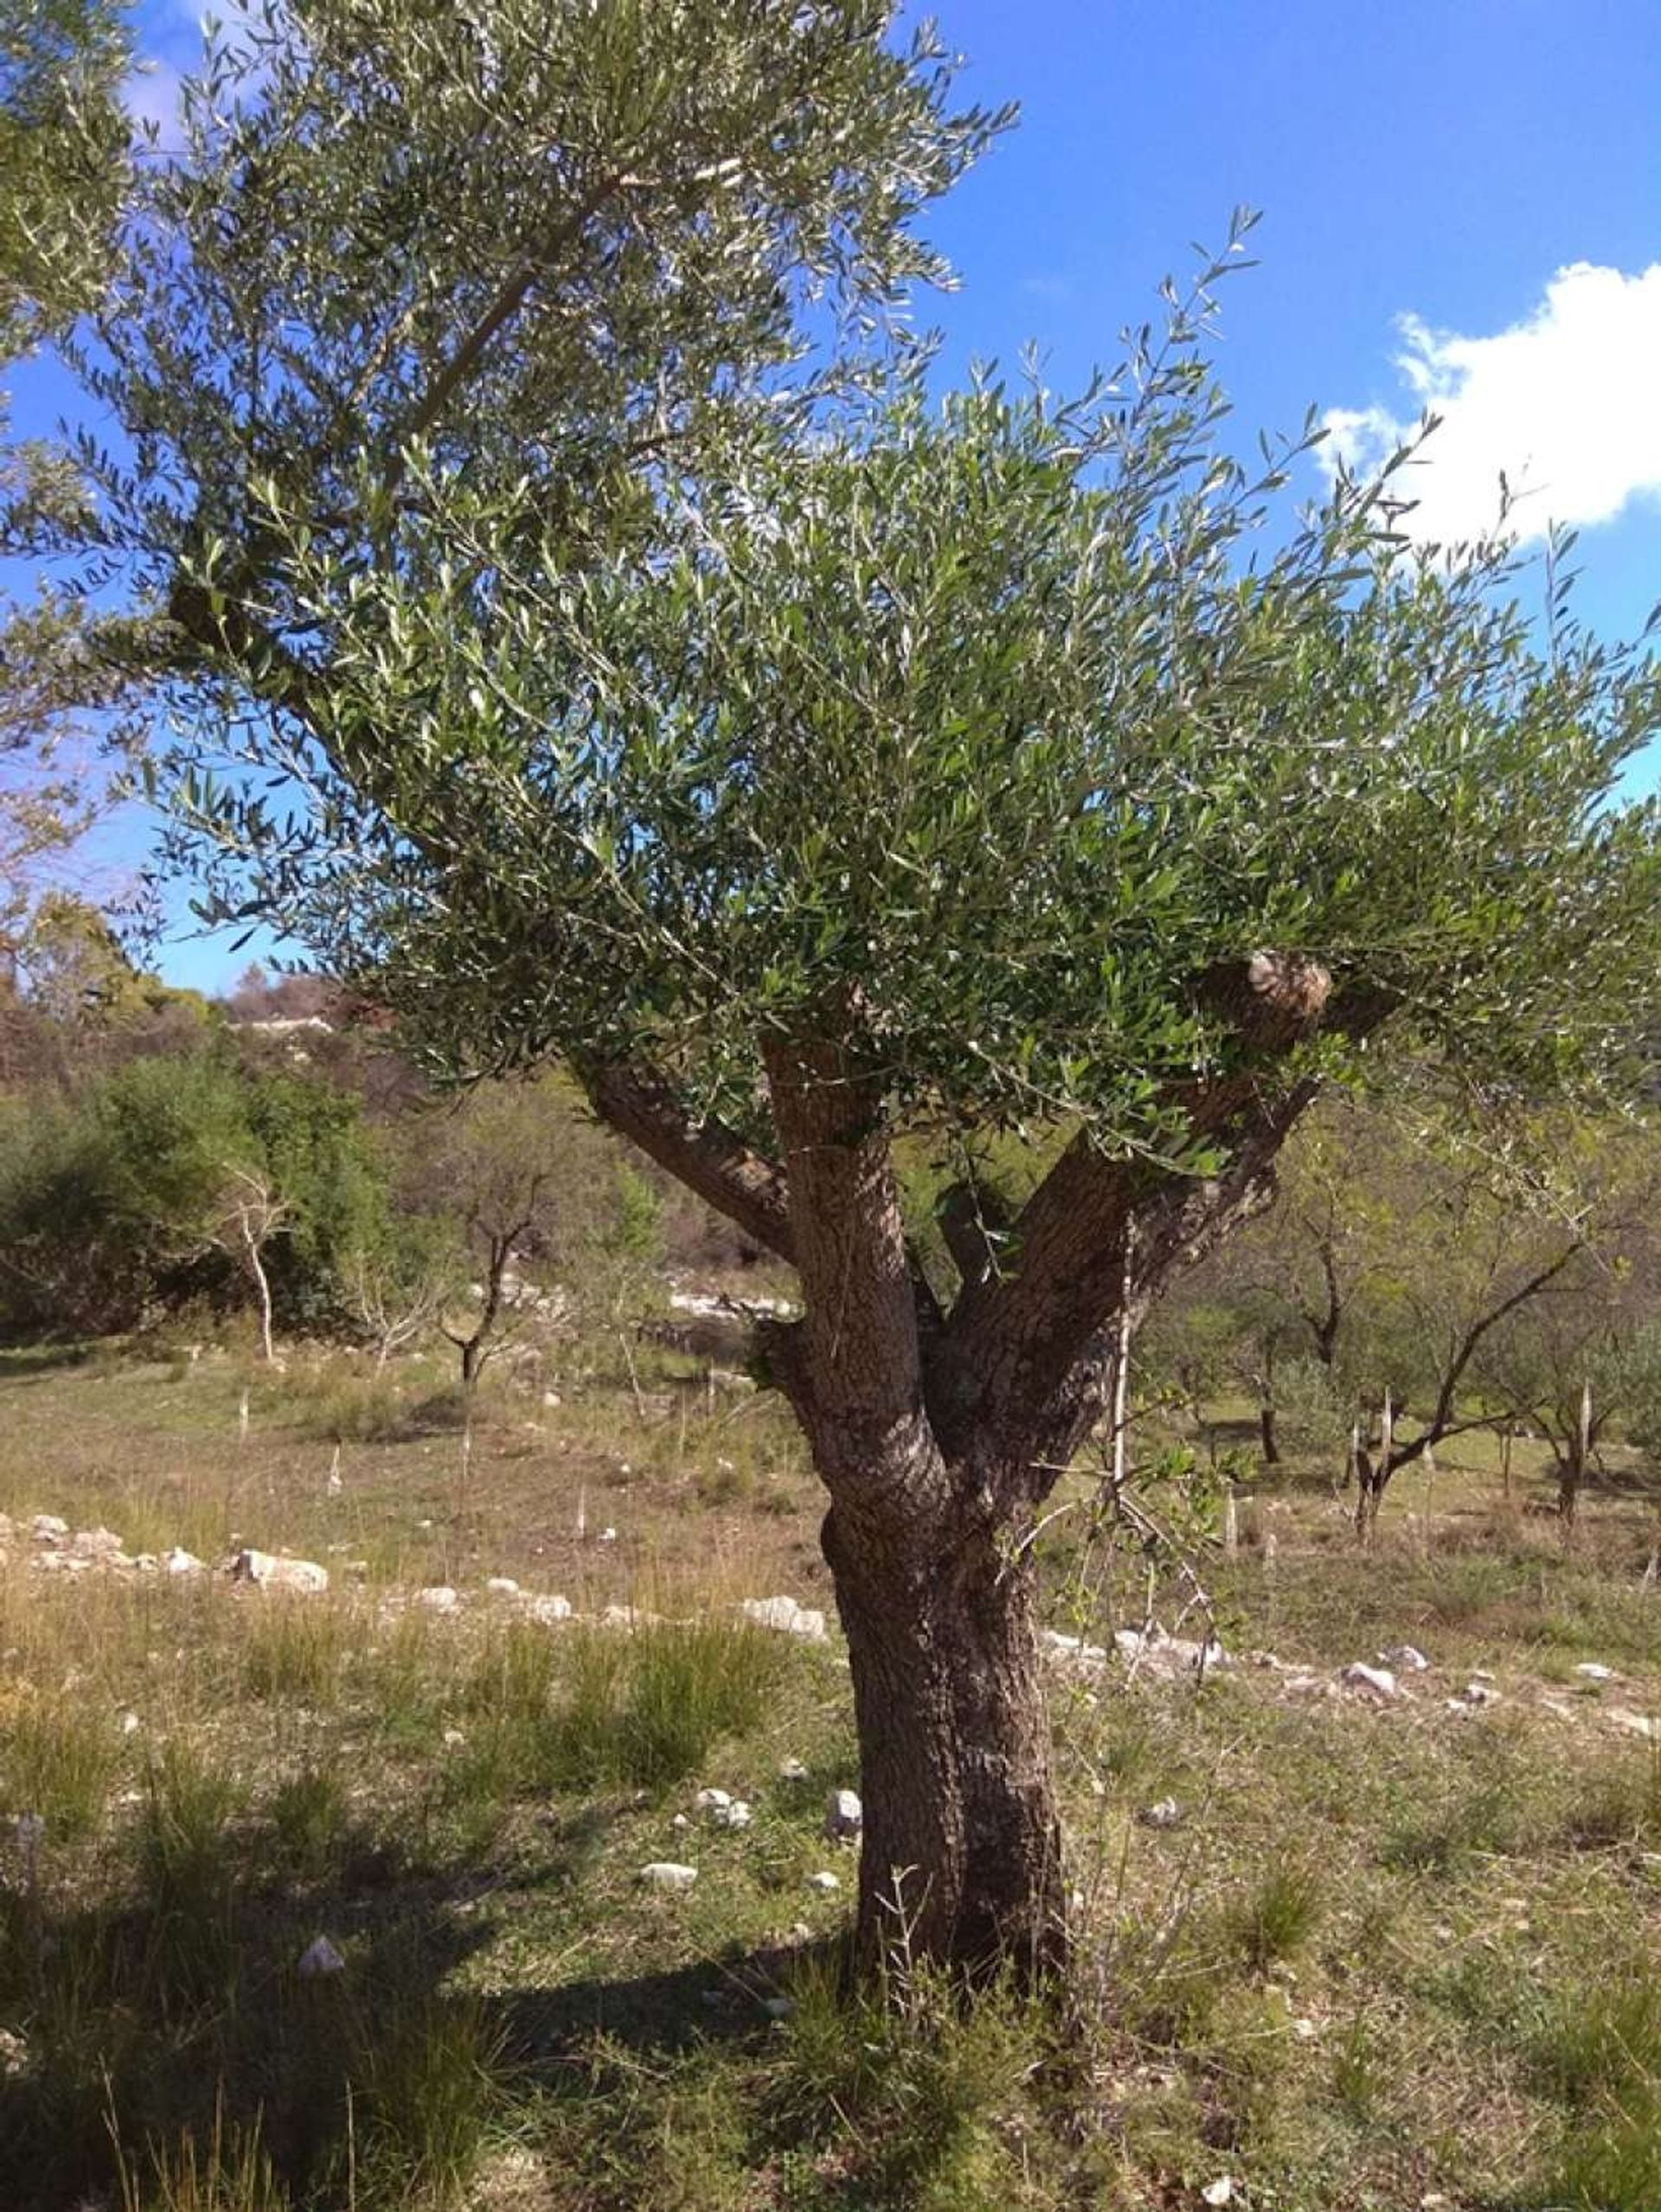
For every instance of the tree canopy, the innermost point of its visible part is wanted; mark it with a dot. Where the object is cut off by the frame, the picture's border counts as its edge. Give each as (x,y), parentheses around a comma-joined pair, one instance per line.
(993,732)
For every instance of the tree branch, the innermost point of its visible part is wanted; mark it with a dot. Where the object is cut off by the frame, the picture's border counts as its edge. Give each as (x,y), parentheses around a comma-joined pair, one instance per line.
(863,1330)
(1023,1345)
(705,1155)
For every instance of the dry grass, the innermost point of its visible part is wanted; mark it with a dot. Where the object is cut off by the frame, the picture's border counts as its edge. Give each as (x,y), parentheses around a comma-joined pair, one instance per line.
(1382,1955)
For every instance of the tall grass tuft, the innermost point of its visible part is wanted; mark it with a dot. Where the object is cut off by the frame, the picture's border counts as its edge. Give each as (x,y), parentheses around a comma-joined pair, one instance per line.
(645,1706)
(295,1651)
(1600,2051)
(1275,1917)
(58,1761)
(424,2069)
(309,1815)
(229,2172)
(189,1875)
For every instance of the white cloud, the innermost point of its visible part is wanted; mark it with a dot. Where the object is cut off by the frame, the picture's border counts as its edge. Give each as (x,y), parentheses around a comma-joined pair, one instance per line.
(1047,288)
(1566,403)
(150,94)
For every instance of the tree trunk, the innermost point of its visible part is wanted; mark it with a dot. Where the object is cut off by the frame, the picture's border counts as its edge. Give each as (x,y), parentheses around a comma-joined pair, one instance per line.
(264,1283)
(1271,1441)
(961,1863)
(1571,1472)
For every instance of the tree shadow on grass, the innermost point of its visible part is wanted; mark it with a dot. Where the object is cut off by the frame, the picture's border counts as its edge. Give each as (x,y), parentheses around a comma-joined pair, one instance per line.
(177,2010)
(183,2010)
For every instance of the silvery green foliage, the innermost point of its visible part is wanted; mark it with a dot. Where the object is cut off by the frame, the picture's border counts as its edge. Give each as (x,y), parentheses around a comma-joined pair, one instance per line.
(543,647)
(984,726)
(62,139)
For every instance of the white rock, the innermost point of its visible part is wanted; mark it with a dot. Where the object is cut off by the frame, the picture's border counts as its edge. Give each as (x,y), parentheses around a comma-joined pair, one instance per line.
(1637,1724)
(1377,1682)
(777,2008)
(844,1816)
(680,1822)
(1406,1658)
(1072,1648)
(825,1881)
(1304,2029)
(321,1958)
(97,1544)
(437,1597)
(791,1769)
(47,1529)
(736,1815)
(668,1874)
(502,1586)
(180,1561)
(453,1740)
(712,1800)
(783,1614)
(13,2055)
(548,1609)
(1153,1652)
(1594,1671)
(267,1572)
(130,1724)
(1221,2191)
(1165,1814)
(1479,1693)
(608,1535)
(552,1398)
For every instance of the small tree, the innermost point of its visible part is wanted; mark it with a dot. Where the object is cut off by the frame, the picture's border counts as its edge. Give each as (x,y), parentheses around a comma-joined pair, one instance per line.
(906,798)
(520,1177)
(400,1282)
(1576,1365)
(250,1212)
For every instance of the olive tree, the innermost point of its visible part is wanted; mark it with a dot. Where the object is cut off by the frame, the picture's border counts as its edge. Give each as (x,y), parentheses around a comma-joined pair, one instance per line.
(956,774)
(834,773)
(63,172)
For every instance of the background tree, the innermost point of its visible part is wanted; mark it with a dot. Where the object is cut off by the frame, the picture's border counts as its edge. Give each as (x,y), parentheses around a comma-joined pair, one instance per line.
(251,1211)
(944,771)
(522,1179)
(142,1186)
(1576,1365)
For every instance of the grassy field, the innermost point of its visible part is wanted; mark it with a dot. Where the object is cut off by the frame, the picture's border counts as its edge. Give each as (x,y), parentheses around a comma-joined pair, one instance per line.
(1396,1954)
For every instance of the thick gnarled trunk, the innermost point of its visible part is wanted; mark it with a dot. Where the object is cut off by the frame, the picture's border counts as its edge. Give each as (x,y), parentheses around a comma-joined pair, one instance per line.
(961,1862)
(939,1431)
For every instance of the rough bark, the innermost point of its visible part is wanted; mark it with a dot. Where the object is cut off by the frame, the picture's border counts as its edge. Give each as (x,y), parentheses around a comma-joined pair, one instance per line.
(937,1436)
(962,1858)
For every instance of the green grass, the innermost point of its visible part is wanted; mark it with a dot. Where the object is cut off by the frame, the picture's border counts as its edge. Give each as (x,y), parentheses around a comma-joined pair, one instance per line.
(646,1706)
(59,1762)
(1382,1954)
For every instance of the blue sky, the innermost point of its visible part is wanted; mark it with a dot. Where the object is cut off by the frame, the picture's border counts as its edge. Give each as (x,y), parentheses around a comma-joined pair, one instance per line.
(1461,201)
